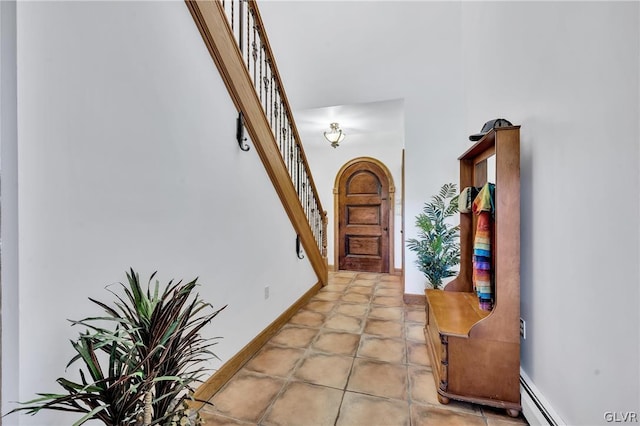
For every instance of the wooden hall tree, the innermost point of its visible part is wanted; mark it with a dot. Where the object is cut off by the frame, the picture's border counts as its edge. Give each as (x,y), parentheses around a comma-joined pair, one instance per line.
(475,354)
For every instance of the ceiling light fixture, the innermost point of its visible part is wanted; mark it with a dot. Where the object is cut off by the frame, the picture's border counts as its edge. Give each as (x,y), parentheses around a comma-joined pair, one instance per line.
(335,135)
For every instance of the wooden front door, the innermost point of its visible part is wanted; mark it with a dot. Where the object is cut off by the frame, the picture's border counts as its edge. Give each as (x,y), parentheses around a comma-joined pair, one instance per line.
(363,214)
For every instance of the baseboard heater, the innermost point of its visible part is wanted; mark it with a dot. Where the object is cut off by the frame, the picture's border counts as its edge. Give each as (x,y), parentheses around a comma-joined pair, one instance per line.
(535,408)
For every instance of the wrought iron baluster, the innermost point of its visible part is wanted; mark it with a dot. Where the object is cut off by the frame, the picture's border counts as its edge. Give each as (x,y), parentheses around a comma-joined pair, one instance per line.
(241,25)
(266,84)
(298,170)
(254,54)
(309,211)
(276,127)
(261,64)
(247,28)
(272,90)
(292,146)
(306,193)
(287,155)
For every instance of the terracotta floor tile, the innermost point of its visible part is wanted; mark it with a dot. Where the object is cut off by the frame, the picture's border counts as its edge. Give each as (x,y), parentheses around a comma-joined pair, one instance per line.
(498,416)
(495,421)
(390,284)
(342,274)
(386,313)
(344,323)
(378,379)
(308,319)
(210,419)
(417,354)
(305,404)
(415,307)
(336,342)
(387,301)
(275,361)
(352,310)
(367,291)
(415,332)
(367,276)
(294,336)
(416,316)
(356,298)
(464,407)
(336,288)
(364,283)
(327,296)
(365,410)
(325,370)
(391,278)
(381,291)
(429,415)
(384,328)
(340,280)
(320,306)
(422,388)
(246,396)
(382,349)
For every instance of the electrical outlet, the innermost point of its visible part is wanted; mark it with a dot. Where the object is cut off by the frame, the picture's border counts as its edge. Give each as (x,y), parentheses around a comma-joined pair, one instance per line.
(523,329)
(266,292)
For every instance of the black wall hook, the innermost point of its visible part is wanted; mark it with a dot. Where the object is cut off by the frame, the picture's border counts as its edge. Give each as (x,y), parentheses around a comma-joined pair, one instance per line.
(299,248)
(240,133)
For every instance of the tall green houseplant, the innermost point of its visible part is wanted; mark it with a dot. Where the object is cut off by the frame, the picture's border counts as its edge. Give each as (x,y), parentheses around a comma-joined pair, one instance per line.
(437,245)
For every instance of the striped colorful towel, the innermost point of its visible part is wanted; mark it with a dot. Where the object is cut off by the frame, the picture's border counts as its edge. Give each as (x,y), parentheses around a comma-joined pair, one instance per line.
(482,273)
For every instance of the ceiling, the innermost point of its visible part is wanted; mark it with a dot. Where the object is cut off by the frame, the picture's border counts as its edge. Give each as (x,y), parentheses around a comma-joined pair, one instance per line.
(349,74)
(358,121)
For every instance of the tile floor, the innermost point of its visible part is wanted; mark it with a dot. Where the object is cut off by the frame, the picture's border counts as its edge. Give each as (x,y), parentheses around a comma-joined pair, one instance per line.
(354,355)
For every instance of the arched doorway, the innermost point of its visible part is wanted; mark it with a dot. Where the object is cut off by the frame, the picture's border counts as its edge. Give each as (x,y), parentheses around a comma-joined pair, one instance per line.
(363,199)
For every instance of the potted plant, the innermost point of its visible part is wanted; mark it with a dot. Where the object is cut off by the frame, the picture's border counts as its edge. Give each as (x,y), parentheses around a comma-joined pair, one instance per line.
(139,360)
(437,245)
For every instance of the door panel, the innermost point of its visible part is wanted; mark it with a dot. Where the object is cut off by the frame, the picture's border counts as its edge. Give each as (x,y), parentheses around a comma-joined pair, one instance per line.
(363,195)
(363,215)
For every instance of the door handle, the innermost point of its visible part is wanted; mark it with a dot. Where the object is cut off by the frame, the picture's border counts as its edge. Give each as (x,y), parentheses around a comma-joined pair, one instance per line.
(386,229)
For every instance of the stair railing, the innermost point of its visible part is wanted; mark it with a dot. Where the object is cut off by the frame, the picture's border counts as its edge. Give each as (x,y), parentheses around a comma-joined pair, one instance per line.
(234,34)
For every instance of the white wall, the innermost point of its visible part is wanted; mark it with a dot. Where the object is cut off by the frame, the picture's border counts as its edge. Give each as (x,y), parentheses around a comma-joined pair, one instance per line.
(568,73)
(127,157)
(9,213)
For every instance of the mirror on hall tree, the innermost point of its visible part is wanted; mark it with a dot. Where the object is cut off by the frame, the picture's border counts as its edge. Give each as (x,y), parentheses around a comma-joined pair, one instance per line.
(491,169)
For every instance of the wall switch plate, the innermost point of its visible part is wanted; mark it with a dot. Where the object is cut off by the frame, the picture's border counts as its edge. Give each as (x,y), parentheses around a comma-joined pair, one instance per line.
(523,329)
(266,292)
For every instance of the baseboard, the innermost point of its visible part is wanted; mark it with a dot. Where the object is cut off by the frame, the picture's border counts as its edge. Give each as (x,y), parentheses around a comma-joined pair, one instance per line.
(231,367)
(535,407)
(414,299)
(396,271)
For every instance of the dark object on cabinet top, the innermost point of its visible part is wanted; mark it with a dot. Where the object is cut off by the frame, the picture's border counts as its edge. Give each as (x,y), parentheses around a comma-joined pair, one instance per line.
(497,122)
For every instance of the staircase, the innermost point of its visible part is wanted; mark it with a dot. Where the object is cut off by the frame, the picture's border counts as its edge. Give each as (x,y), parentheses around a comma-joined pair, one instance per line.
(235,37)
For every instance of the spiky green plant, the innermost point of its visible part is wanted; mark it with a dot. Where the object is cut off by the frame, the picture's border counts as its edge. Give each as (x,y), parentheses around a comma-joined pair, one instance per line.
(437,245)
(147,363)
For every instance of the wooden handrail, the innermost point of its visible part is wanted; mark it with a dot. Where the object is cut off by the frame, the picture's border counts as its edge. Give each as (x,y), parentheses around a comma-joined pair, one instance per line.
(278,143)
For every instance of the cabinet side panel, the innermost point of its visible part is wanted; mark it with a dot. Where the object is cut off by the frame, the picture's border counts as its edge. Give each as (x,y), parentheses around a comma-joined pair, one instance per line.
(484,369)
